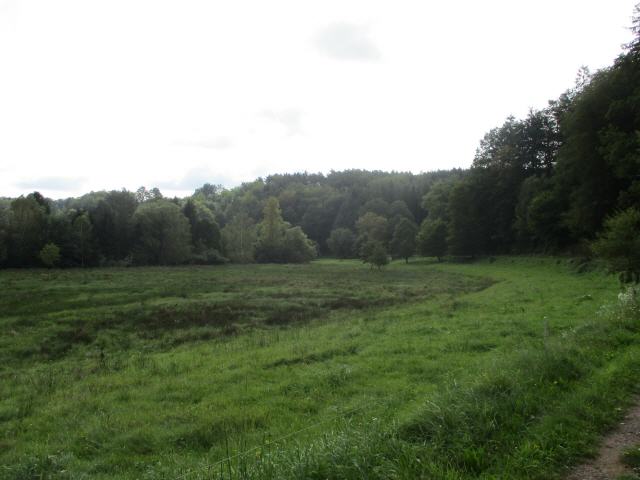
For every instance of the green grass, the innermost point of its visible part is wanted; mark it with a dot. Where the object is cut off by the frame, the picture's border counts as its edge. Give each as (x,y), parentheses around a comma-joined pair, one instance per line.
(327,370)
(631,458)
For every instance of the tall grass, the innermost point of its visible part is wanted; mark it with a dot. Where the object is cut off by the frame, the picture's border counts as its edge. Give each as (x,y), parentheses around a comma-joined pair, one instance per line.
(485,370)
(532,415)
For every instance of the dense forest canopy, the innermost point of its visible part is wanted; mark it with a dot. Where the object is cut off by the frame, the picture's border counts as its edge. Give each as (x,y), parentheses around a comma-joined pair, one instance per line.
(544,183)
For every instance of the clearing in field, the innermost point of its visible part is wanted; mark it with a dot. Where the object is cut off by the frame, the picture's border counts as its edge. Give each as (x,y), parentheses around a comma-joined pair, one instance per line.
(329,370)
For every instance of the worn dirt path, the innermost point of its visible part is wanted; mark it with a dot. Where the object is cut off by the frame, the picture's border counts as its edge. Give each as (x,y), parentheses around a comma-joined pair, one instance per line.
(607,464)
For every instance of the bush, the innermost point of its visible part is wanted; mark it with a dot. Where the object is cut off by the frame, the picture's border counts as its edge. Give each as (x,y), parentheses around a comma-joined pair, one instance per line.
(297,247)
(619,245)
(50,255)
(209,256)
(375,254)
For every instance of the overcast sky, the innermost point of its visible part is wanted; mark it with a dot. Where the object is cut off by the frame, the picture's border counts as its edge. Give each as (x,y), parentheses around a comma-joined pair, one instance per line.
(110,94)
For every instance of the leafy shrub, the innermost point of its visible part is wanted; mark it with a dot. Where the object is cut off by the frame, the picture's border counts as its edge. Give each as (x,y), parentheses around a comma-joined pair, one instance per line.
(50,255)
(375,254)
(209,256)
(297,247)
(619,245)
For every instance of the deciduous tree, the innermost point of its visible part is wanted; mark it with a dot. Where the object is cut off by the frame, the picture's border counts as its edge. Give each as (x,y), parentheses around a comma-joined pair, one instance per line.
(375,254)
(432,238)
(403,243)
(239,238)
(162,234)
(49,255)
(270,244)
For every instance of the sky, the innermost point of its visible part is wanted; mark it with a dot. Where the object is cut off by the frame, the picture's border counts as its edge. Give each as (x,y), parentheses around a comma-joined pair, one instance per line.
(102,95)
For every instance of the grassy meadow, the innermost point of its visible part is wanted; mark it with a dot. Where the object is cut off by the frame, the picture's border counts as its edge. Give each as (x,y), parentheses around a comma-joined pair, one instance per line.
(494,369)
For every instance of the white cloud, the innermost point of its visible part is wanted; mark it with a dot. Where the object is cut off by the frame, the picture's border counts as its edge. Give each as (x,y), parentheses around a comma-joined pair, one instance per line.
(346,41)
(216,143)
(289,118)
(121,93)
(56,184)
(7,6)
(192,179)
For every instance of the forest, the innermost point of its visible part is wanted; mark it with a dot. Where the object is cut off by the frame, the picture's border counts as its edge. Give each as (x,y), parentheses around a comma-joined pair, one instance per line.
(547,183)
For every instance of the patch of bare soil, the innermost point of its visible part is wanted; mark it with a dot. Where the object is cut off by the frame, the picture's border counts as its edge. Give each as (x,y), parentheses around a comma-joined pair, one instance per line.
(608,464)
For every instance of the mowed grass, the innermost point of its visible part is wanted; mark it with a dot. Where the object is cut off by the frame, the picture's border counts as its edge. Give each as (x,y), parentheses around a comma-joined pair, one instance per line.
(426,370)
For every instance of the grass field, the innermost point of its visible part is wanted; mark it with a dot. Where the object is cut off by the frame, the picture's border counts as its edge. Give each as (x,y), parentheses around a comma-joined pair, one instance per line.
(505,369)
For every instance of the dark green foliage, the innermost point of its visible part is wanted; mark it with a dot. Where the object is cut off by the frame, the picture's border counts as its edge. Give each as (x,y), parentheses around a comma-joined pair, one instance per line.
(505,158)
(208,256)
(162,234)
(320,206)
(270,243)
(538,223)
(403,243)
(372,230)
(278,242)
(342,243)
(436,201)
(28,227)
(60,231)
(598,163)
(143,195)
(4,235)
(520,147)
(398,208)
(469,208)
(50,255)
(112,221)
(83,244)
(619,244)
(297,247)
(347,214)
(372,226)
(239,238)
(375,254)
(377,206)
(205,234)
(432,238)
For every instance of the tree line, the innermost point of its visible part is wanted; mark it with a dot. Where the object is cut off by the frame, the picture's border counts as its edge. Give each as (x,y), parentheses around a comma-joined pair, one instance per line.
(547,183)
